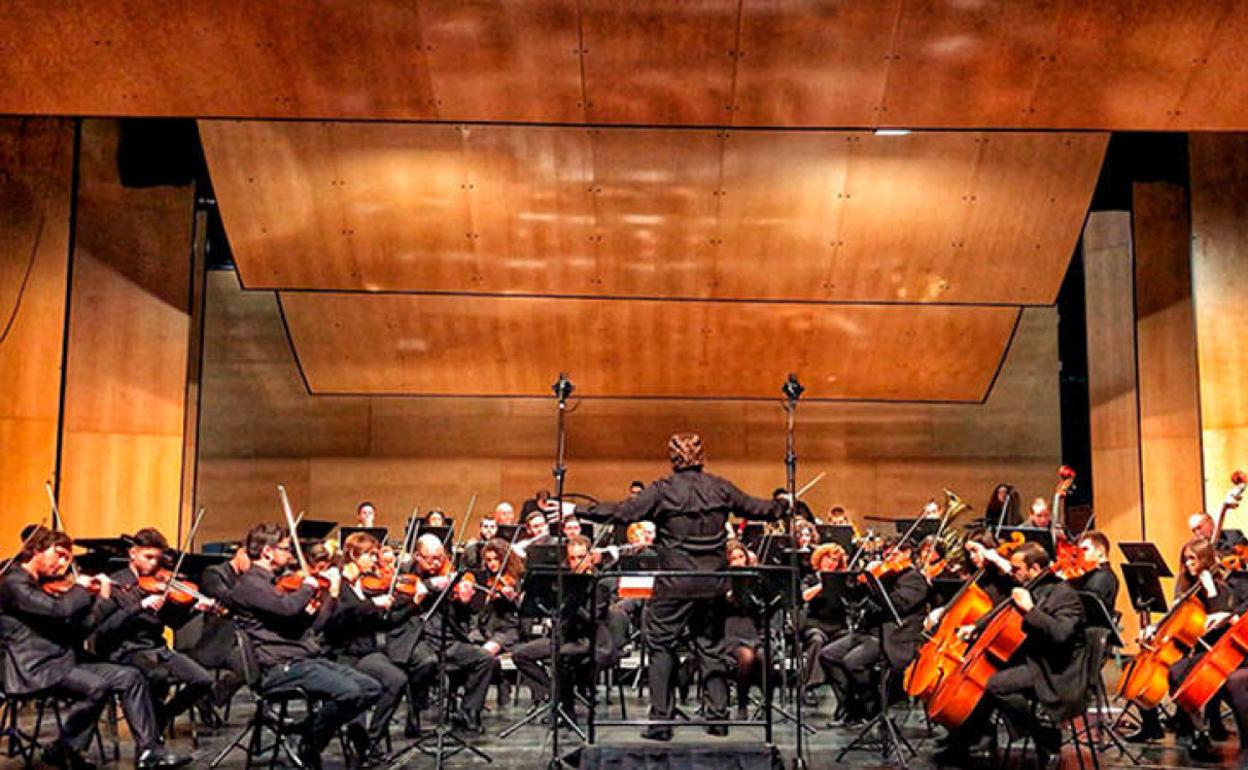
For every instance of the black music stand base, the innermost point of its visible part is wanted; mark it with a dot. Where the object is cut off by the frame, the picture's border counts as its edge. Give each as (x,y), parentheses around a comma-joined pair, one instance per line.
(889,741)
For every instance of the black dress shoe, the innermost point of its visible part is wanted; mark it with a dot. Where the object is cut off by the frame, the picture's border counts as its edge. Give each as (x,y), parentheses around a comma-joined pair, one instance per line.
(1202,749)
(159,758)
(1217,730)
(1145,733)
(468,722)
(357,738)
(61,756)
(657,733)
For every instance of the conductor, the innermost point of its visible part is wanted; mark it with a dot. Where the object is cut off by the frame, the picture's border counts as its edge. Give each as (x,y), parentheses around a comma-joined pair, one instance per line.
(689,509)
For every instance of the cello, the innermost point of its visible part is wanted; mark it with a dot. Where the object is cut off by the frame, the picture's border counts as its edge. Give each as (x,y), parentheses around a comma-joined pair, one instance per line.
(1227,654)
(944,651)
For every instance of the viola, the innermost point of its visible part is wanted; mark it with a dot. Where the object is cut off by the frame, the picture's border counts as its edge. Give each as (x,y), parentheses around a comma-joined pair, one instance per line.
(895,564)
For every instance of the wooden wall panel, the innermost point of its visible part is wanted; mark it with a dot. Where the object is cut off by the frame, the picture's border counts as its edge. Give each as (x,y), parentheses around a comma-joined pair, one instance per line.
(36,166)
(930,217)
(260,426)
(515,346)
(1068,64)
(1112,390)
(1219,185)
(1169,392)
(1118,64)
(129,330)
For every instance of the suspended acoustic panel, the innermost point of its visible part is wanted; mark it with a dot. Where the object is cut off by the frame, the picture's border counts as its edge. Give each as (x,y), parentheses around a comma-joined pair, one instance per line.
(1117,64)
(514,346)
(952,217)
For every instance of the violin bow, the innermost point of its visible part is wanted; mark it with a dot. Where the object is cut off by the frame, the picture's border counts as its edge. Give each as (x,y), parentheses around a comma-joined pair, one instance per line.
(810,484)
(58,525)
(294,527)
(463,525)
(177,567)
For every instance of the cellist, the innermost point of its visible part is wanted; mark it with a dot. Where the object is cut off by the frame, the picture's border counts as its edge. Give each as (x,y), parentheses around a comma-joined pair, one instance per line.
(1049,667)
(1200,572)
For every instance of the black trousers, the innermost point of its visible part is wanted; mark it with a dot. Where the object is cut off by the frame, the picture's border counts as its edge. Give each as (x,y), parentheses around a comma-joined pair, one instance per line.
(393,681)
(473,662)
(847,664)
(164,668)
(667,622)
(1010,691)
(528,658)
(813,642)
(89,686)
(344,693)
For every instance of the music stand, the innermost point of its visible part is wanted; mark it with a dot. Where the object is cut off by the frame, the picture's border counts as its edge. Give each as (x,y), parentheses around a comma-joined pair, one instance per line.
(1098,617)
(752,535)
(1143,585)
(446,743)
(544,555)
(315,529)
(378,533)
(922,528)
(841,534)
(1032,535)
(443,534)
(890,739)
(507,532)
(1146,553)
(774,549)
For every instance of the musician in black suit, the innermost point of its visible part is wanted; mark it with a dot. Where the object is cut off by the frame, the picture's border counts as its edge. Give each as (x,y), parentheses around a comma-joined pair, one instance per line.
(414,645)
(1051,663)
(1100,582)
(132,632)
(849,661)
(42,637)
(352,629)
(218,648)
(282,630)
(689,509)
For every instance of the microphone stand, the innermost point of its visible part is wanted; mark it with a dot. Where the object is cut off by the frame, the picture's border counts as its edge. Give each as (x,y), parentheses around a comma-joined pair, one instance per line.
(562,388)
(793,390)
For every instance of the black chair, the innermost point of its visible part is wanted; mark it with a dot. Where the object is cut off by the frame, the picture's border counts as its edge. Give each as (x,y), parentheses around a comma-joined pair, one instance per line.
(271,712)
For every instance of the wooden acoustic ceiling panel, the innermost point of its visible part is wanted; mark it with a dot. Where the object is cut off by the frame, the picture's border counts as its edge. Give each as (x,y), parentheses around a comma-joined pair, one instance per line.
(1116,64)
(515,346)
(950,217)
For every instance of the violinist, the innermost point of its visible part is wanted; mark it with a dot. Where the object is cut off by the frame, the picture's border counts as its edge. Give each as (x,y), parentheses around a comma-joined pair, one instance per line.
(1200,573)
(414,645)
(281,628)
(537,532)
(351,634)
(848,662)
(131,631)
(499,620)
(576,628)
(1101,581)
(505,514)
(821,621)
(742,635)
(487,530)
(218,648)
(1049,667)
(42,634)
(806,535)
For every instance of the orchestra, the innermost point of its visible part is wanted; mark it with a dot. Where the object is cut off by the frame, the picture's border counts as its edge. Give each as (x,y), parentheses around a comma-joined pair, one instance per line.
(954,616)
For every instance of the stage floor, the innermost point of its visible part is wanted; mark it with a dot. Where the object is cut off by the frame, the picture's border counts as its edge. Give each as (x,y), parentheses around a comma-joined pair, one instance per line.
(529,747)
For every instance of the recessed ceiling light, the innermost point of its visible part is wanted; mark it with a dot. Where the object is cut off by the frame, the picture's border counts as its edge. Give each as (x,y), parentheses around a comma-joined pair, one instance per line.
(892,131)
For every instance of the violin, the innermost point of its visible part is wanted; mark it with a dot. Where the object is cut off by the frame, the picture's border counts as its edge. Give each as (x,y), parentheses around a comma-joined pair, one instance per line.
(293,581)
(177,590)
(61,584)
(895,564)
